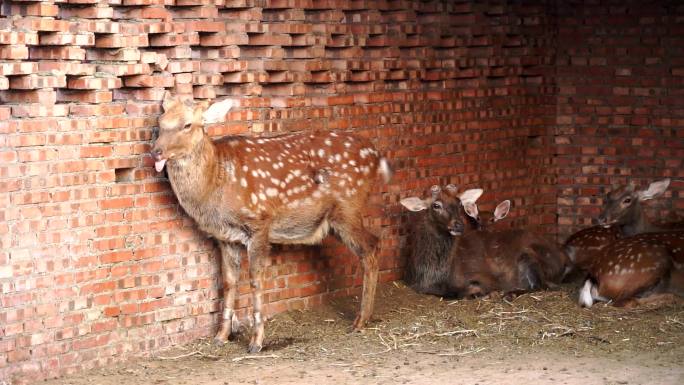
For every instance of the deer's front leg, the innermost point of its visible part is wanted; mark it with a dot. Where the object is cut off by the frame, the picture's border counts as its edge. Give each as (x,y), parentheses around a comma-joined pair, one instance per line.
(230,271)
(258,249)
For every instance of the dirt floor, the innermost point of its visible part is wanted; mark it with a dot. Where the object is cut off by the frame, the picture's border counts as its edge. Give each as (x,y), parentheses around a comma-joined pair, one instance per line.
(540,338)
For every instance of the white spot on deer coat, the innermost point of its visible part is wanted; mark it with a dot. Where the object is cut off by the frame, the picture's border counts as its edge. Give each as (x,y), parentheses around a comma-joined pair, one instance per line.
(254,198)
(271,192)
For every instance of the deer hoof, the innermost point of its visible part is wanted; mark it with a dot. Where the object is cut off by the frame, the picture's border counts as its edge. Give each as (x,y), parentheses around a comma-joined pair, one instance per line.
(254,348)
(222,336)
(359,324)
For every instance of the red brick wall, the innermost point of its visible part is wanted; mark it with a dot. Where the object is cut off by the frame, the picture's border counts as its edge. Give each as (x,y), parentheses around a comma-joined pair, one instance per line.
(620,76)
(97,261)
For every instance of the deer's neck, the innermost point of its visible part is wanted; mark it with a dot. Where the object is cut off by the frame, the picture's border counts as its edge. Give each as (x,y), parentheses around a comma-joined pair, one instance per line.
(435,245)
(638,225)
(195,176)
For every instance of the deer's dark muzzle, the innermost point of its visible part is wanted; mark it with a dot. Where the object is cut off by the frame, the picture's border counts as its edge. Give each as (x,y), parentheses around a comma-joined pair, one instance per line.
(604,221)
(455,228)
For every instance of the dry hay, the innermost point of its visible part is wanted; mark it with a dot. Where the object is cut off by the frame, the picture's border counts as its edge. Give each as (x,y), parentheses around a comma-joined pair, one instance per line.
(414,324)
(410,333)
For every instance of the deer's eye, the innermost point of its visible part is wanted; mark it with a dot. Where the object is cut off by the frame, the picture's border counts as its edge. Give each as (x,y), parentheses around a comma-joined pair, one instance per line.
(437,205)
(627,201)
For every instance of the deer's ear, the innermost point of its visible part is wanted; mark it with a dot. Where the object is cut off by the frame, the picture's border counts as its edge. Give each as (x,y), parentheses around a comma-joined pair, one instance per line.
(654,190)
(216,113)
(471,209)
(168,100)
(502,210)
(471,195)
(198,111)
(414,204)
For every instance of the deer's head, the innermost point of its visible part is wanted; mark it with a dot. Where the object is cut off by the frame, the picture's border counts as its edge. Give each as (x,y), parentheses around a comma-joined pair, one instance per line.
(444,207)
(623,204)
(181,127)
(484,219)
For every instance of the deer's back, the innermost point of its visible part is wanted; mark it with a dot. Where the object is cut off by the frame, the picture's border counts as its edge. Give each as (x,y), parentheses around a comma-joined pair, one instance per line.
(290,183)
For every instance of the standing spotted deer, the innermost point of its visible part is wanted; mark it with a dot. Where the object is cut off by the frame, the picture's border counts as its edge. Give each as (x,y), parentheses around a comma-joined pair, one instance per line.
(252,192)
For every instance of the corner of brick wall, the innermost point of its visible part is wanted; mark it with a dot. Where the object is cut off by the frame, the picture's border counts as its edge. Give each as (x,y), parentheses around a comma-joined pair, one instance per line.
(620,76)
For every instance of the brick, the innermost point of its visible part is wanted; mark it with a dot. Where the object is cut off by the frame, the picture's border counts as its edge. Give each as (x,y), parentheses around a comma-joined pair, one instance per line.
(34,81)
(18,68)
(60,38)
(42,96)
(39,110)
(100,11)
(64,53)
(170,40)
(93,83)
(66,68)
(14,52)
(119,70)
(121,41)
(40,9)
(161,81)
(90,96)
(123,54)
(18,38)
(220,39)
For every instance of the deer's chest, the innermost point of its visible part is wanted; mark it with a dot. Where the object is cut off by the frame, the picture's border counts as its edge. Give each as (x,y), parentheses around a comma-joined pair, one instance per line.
(211,213)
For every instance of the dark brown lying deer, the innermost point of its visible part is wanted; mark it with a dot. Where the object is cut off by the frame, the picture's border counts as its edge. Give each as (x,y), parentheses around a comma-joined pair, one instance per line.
(477,262)
(439,222)
(252,192)
(643,263)
(510,260)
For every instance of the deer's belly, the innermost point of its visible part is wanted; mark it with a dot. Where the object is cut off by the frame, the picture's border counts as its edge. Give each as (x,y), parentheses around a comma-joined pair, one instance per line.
(224,232)
(299,232)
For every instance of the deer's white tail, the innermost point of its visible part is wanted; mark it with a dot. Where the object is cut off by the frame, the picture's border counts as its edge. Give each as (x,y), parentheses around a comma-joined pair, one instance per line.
(585,298)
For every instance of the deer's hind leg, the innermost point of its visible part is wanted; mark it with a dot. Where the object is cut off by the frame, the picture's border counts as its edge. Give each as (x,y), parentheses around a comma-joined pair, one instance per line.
(348,226)
(230,272)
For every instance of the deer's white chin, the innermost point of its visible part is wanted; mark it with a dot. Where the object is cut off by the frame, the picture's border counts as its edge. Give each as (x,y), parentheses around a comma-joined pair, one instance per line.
(159,165)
